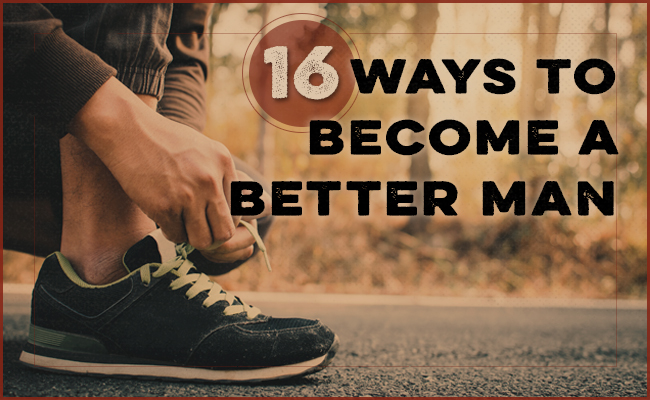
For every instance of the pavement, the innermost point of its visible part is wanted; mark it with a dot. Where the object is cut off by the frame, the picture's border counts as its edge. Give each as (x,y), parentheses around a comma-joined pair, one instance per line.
(408,346)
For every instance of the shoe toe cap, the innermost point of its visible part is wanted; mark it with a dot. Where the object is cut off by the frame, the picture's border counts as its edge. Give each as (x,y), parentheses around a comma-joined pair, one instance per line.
(270,342)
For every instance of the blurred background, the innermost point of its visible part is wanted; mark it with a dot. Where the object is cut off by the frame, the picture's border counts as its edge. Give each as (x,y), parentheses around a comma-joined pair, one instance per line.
(465,255)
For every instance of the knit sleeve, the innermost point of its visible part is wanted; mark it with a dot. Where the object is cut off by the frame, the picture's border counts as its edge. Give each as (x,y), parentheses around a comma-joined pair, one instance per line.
(45,69)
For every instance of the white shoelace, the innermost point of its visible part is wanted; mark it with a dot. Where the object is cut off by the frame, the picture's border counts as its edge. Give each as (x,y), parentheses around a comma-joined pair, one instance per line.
(181,267)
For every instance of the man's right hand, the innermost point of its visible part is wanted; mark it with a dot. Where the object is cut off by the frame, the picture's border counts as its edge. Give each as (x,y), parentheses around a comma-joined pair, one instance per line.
(178,177)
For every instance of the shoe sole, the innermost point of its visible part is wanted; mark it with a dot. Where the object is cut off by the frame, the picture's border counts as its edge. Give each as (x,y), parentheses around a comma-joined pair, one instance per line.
(179,372)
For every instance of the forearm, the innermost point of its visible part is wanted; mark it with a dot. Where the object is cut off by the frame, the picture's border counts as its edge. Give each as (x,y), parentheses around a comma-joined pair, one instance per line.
(179,178)
(115,120)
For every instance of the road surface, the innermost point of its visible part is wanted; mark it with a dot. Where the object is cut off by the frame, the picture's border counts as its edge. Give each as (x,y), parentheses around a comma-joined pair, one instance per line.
(392,348)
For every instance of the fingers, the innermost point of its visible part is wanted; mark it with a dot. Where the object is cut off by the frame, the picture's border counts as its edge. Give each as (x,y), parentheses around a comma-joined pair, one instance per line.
(203,228)
(240,241)
(173,228)
(243,254)
(220,222)
(239,247)
(216,214)
(206,222)
(198,230)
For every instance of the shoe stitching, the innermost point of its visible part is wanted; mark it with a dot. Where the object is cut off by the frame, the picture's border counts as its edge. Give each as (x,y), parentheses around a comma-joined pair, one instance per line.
(254,334)
(220,328)
(42,287)
(297,328)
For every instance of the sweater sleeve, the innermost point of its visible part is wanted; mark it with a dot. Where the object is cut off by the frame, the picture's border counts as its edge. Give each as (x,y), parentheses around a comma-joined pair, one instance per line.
(44,68)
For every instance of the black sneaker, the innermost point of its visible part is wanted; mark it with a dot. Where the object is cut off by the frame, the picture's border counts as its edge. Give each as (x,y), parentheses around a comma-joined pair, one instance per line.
(164,320)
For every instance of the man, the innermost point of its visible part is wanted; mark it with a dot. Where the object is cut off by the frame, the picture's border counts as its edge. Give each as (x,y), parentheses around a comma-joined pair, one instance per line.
(120,292)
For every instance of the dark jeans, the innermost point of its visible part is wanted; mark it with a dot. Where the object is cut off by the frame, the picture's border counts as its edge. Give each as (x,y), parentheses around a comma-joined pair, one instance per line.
(159,50)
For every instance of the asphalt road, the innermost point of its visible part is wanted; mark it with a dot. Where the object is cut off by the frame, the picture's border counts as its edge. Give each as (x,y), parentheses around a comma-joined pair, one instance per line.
(402,350)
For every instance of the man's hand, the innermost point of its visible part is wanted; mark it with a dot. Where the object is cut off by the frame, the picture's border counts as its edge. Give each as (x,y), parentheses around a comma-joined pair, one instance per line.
(240,246)
(178,177)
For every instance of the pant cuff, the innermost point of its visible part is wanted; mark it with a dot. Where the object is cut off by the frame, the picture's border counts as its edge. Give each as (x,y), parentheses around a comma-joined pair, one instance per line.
(143,80)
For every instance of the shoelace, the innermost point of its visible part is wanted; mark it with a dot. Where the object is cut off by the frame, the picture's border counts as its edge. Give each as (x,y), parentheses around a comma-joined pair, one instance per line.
(181,267)
(259,242)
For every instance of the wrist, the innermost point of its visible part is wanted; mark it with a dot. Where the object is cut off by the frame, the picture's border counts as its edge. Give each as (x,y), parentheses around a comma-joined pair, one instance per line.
(112,117)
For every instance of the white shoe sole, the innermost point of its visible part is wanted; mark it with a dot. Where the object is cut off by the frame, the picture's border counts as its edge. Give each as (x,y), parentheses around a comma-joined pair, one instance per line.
(177,372)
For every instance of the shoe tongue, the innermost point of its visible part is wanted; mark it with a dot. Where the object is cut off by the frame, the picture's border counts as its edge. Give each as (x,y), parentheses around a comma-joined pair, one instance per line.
(154,248)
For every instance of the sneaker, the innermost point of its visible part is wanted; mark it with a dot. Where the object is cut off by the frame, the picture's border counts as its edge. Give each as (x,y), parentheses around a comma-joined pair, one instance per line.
(164,320)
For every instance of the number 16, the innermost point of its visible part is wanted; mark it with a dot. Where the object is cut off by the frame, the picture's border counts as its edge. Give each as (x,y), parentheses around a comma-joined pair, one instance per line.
(313,64)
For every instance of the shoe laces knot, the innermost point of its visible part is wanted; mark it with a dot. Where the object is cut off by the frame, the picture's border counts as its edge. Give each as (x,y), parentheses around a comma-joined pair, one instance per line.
(186,274)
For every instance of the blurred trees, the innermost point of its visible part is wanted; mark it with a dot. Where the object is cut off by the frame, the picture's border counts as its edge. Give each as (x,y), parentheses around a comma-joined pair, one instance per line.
(469,254)
(631,49)
(423,25)
(524,256)
(385,20)
(540,22)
